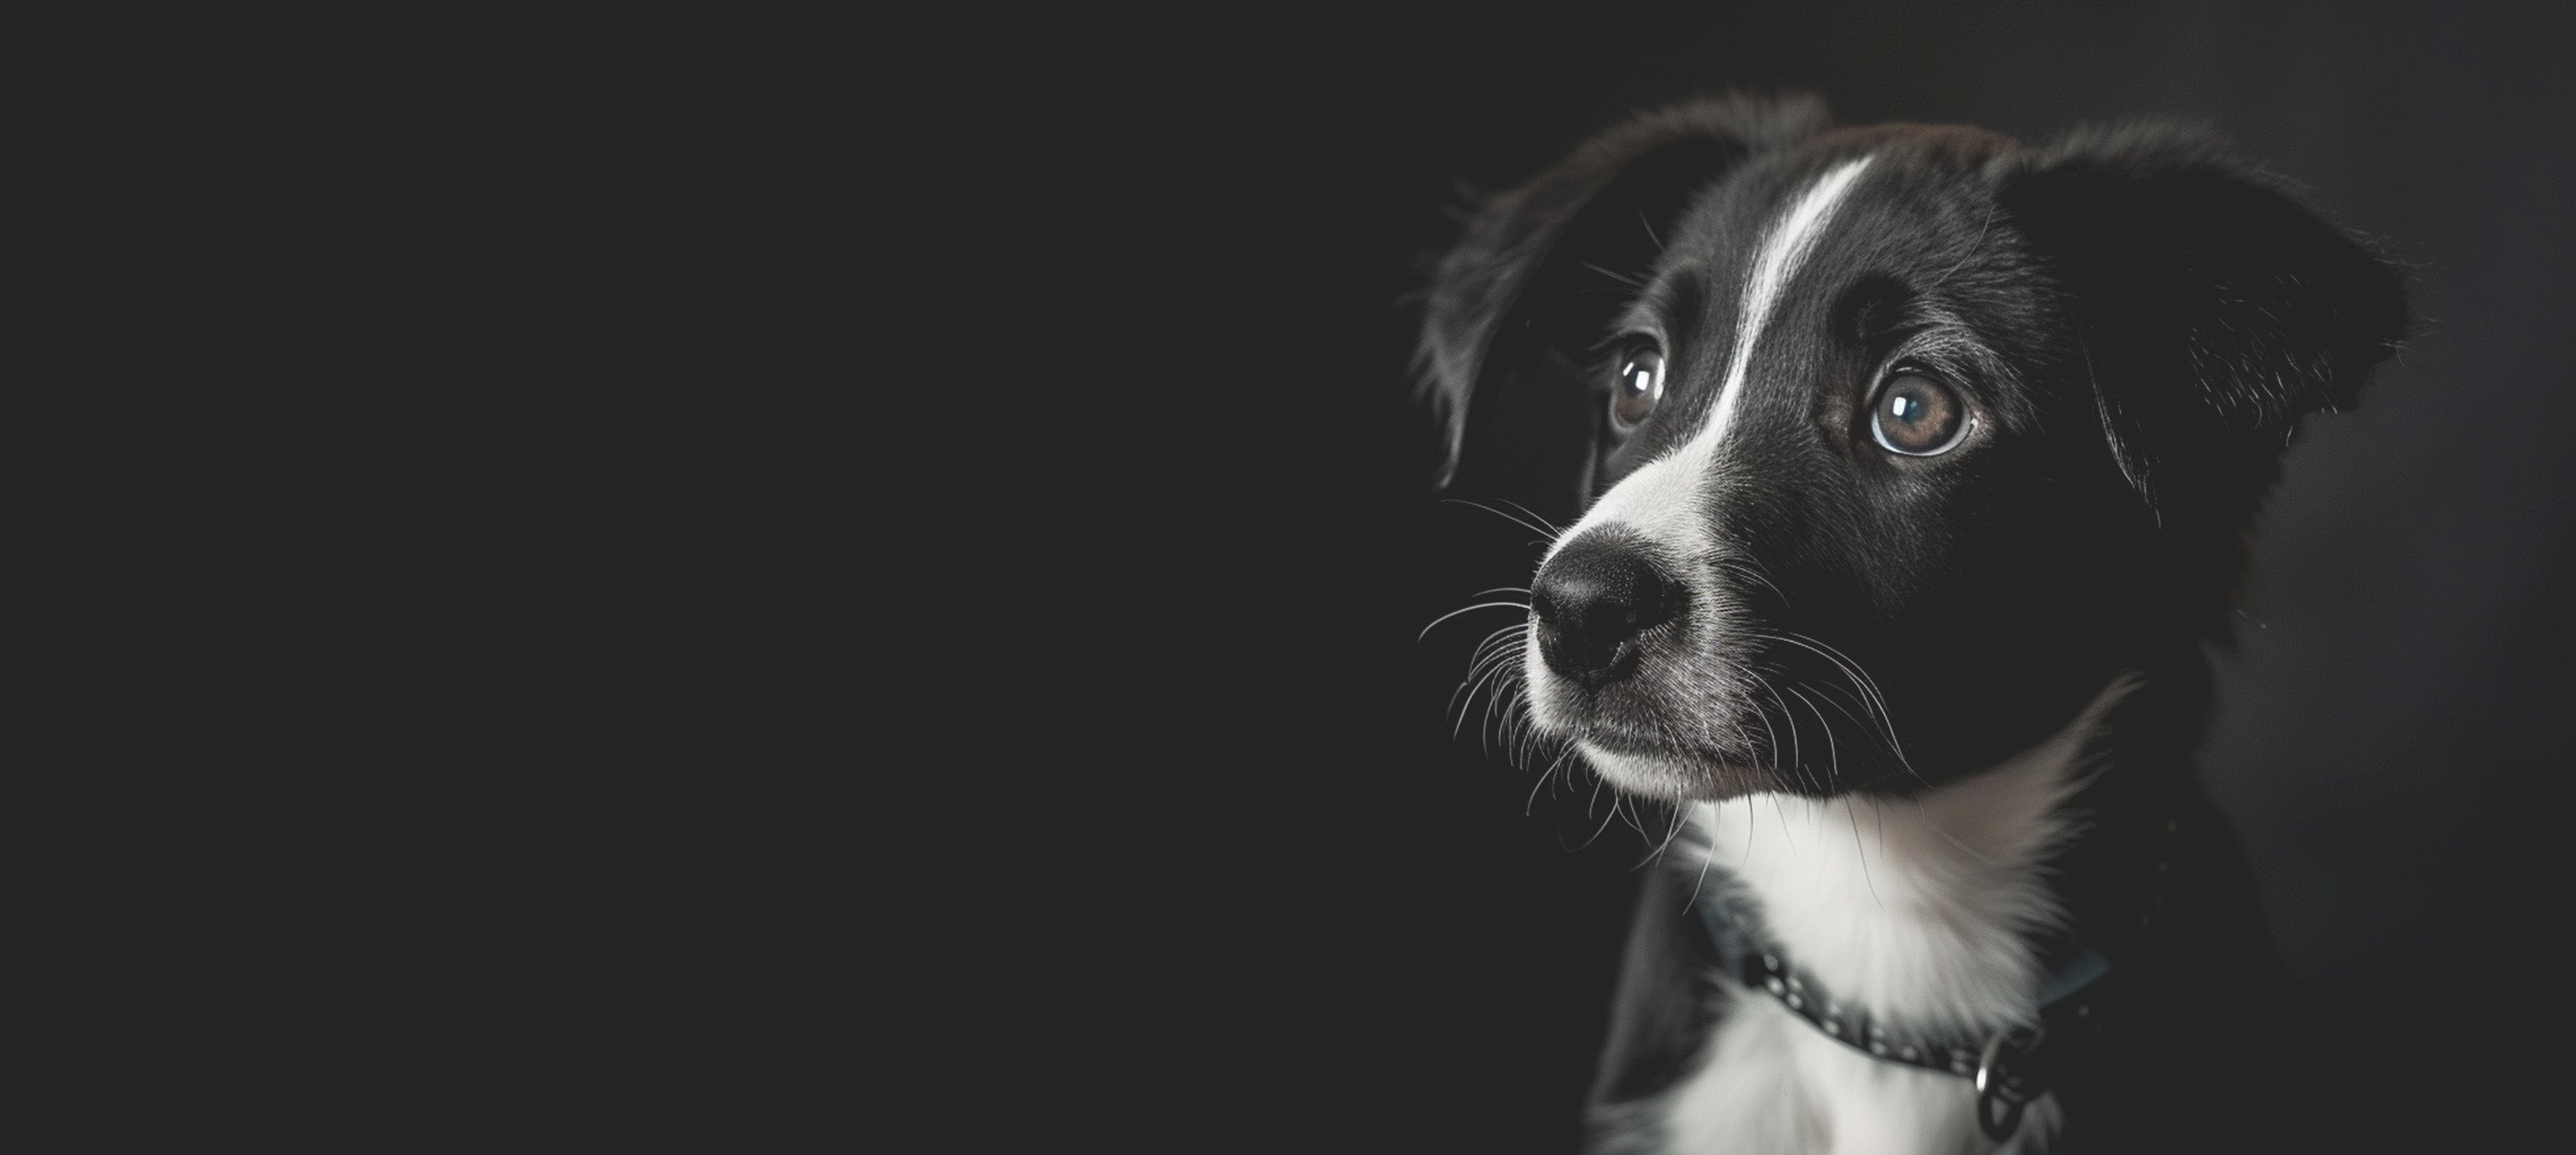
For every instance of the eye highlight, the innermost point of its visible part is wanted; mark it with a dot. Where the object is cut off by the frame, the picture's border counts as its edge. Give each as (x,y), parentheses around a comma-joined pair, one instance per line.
(1639,388)
(1918,415)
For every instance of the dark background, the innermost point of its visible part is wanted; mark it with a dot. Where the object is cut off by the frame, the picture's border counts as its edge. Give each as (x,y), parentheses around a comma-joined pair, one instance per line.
(965,540)
(1421,950)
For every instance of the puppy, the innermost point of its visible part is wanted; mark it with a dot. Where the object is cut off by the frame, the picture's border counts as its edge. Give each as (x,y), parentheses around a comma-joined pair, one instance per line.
(1918,462)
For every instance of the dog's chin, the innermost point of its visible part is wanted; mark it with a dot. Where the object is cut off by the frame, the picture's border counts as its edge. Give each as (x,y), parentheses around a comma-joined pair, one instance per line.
(1680,778)
(1612,731)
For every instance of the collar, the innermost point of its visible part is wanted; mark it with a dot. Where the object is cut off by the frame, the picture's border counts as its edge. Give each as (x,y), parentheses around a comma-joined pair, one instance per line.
(2008,1069)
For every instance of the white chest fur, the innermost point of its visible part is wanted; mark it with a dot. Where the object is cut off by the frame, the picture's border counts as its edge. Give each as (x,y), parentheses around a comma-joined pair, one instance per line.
(1919,910)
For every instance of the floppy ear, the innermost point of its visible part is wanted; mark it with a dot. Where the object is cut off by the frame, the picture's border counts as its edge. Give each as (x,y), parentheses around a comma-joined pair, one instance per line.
(1541,271)
(2216,311)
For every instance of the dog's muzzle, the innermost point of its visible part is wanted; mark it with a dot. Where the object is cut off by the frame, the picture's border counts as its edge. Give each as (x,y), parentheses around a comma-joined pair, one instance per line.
(1593,603)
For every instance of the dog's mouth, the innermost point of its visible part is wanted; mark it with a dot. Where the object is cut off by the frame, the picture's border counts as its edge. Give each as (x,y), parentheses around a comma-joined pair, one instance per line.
(1708,710)
(1664,729)
(1616,740)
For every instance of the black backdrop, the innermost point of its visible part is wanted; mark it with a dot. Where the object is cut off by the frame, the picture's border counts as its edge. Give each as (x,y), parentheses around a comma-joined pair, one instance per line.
(1422,948)
(1016,664)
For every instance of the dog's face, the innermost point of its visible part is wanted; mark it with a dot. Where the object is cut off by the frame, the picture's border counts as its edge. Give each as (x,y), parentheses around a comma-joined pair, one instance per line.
(1905,440)
(1830,492)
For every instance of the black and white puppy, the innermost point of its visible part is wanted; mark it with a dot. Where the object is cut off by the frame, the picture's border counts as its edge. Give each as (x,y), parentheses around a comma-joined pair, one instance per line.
(1918,463)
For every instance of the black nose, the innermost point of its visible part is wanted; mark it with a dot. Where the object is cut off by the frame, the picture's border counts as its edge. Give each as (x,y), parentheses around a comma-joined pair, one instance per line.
(1592,600)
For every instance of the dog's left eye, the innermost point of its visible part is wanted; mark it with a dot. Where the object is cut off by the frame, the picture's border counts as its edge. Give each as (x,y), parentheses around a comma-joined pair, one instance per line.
(1918,416)
(1640,386)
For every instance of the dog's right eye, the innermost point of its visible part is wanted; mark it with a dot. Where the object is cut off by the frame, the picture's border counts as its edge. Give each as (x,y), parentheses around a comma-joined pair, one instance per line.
(1918,415)
(1640,386)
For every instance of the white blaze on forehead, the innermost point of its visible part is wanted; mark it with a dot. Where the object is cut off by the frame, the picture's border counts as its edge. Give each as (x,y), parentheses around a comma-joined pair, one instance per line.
(1655,497)
(1782,252)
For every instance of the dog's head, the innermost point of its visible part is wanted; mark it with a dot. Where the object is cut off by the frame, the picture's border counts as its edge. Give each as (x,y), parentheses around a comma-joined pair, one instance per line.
(1903,441)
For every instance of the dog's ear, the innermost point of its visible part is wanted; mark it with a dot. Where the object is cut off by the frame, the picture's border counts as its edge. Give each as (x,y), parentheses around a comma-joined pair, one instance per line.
(1541,271)
(2216,311)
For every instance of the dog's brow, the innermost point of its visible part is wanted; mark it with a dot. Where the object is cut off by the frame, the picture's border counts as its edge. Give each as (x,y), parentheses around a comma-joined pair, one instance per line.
(1667,483)
(1674,300)
(1774,266)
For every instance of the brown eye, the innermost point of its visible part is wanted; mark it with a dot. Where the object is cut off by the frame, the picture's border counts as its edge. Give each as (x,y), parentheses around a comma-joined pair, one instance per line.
(1918,416)
(1640,386)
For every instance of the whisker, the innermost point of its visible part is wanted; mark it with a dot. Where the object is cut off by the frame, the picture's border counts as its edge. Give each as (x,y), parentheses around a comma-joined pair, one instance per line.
(1634,822)
(1476,674)
(1544,776)
(1749,825)
(1426,630)
(1493,700)
(1492,651)
(1770,738)
(1749,571)
(1680,819)
(1834,753)
(1833,750)
(1705,859)
(1874,699)
(1466,685)
(1863,852)
(1493,669)
(1499,636)
(1539,529)
(1623,279)
(1605,819)
(1552,528)
(1797,752)
(1520,732)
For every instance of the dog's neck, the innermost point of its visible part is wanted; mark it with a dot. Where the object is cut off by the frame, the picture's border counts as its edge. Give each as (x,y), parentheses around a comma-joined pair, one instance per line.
(1937,909)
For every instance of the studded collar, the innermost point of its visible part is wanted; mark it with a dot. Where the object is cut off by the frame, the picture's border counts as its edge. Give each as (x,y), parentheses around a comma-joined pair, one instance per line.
(2008,1069)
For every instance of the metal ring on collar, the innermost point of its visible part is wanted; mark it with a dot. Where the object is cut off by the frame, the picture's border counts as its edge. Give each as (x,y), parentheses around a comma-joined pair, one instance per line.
(2002,1093)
